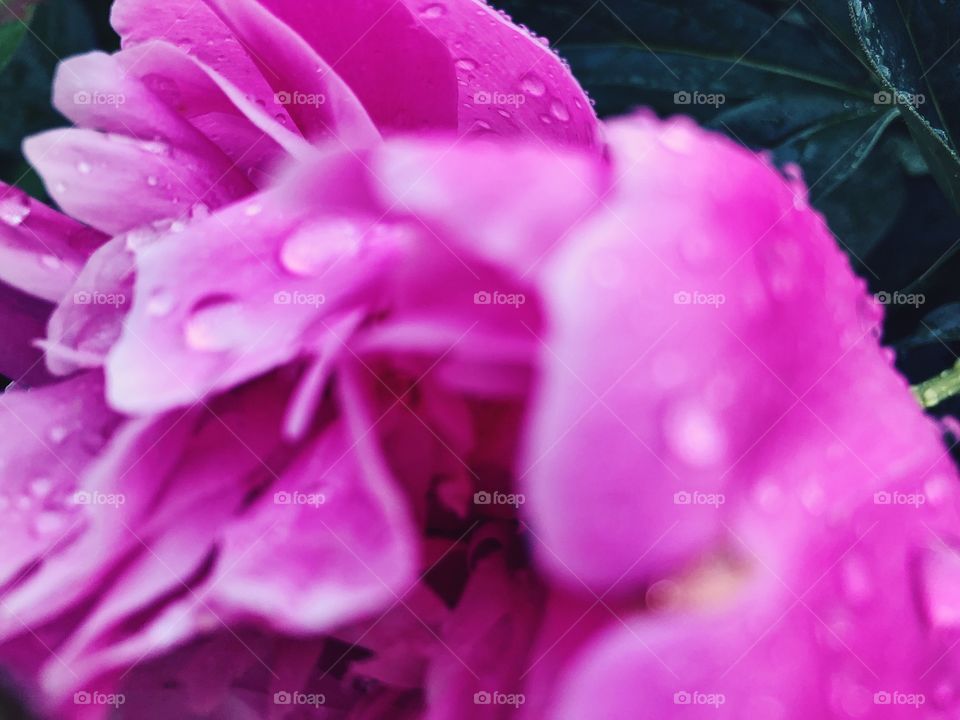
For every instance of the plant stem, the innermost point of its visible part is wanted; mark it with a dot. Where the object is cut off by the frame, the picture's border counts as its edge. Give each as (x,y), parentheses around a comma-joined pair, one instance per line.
(942,387)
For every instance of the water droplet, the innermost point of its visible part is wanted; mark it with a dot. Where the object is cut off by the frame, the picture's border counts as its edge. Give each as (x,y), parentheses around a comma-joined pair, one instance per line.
(531,84)
(160,303)
(559,110)
(317,246)
(41,487)
(768,494)
(152,180)
(58,434)
(199,211)
(434,10)
(50,261)
(14,207)
(855,578)
(940,578)
(678,138)
(466,64)
(253,209)
(503,113)
(154,148)
(812,497)
(49,522)
(937,489)
(695,434)
(215,324)
(945,694)
(84,168)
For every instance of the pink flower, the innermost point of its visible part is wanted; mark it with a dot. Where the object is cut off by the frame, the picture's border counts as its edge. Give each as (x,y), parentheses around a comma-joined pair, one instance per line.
(204,102)
(452,427)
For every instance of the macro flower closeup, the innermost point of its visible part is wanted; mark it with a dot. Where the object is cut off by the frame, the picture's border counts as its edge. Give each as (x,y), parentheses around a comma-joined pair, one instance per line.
(358,370)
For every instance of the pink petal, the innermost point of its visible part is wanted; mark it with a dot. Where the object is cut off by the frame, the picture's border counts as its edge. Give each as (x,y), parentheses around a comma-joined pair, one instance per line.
(50,435)
(193,328)
(530,91)
(745,269)
(41,251)
(198,32)
(453,187)
(251,135)
(295,70)
(335,509)
(385,53)
(85,172)
(22,322)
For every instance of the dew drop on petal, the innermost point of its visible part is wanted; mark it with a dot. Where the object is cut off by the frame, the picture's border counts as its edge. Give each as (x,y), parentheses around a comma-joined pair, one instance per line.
(84,168)
(695,435)
(40,487)
(940,580)
(58,434)
(433,10)
(49,522)
(160,303)
(855,578)
(317,246)
(14,207)
(559,110)
(215,324)
(531,84)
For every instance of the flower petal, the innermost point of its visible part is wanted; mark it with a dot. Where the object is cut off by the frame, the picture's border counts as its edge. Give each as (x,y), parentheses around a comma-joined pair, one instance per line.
(330,108)
(86,171)
(305,559)
(41,250)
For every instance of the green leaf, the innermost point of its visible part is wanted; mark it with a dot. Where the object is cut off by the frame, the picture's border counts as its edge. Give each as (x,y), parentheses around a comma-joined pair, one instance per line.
(787,77)
(912,48)
(940,326)
(60,28)
(14,22)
